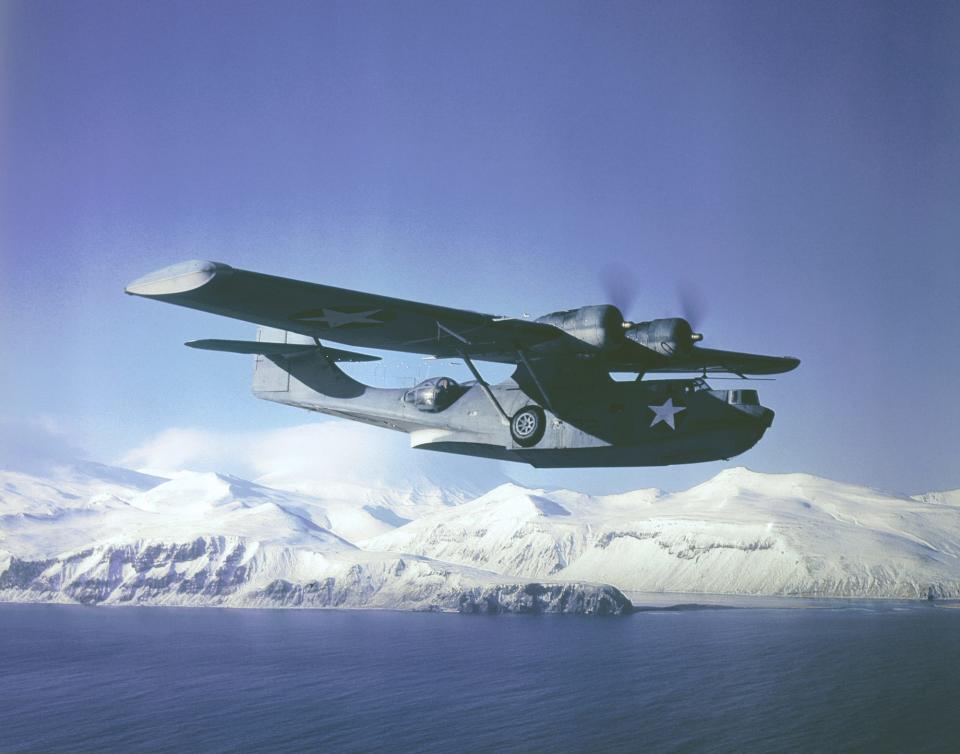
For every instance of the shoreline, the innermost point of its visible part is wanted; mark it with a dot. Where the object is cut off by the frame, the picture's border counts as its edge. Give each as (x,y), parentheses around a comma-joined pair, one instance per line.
(667,602)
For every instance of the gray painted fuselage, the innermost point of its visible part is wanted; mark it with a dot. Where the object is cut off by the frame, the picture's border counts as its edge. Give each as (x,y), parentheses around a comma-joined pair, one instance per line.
(589,421)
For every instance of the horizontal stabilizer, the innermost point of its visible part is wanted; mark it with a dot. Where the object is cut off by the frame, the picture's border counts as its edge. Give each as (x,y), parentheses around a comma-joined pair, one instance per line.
(277,349)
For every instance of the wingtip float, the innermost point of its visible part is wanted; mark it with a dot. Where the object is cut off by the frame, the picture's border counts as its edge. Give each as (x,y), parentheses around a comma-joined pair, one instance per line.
(177,278)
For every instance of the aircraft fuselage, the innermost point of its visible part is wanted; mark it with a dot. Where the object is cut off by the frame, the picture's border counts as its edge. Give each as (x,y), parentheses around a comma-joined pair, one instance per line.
(637,423)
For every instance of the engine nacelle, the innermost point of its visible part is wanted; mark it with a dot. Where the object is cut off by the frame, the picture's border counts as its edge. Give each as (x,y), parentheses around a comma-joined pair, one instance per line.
(598,326)
(665,336)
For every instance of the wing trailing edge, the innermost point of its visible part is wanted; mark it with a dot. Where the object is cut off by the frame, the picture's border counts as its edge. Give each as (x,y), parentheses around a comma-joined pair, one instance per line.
(716,361)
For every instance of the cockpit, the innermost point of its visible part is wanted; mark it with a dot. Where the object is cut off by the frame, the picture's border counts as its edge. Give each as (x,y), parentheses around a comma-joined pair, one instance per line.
(743,398)
(434,394)
(696,385)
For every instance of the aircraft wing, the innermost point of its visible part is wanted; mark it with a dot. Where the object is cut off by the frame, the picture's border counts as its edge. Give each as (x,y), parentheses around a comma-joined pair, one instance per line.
(694,359)
(344,316)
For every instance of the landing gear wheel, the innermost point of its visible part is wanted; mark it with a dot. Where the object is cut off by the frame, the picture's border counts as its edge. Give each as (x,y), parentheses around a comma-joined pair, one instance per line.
(528,426)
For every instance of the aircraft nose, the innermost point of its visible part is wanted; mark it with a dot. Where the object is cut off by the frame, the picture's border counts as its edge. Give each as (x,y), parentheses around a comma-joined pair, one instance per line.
(760,415)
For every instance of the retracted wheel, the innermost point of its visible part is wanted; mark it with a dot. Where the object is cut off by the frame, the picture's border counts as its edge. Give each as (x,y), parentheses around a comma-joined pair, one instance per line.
(528,426)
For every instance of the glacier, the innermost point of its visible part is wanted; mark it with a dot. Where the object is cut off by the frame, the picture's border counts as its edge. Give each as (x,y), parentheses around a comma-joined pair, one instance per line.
(95,534)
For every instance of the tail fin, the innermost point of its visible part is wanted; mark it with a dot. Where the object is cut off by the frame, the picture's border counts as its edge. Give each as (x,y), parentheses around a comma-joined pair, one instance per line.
(295,364)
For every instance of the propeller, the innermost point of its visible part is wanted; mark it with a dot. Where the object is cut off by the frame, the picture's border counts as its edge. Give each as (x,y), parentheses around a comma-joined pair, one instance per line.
(620,287)
(692,305)
(691,301)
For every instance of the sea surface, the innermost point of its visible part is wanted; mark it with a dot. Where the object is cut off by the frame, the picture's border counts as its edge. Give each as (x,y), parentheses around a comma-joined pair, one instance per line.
(808,677)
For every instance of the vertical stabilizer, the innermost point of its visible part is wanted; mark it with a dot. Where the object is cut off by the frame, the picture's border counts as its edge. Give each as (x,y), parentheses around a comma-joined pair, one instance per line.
(301,375)
(267,376)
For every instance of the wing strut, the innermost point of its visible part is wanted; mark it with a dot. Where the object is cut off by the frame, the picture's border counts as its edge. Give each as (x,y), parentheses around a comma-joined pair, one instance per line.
(450,332)
(484,385)
(536,381)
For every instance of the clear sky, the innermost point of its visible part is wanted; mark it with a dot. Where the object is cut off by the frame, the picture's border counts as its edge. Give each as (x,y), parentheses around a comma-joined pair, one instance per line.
(796,163)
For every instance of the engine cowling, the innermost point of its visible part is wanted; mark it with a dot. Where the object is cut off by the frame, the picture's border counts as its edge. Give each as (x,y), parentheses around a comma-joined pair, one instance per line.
(600,327)
(665,336)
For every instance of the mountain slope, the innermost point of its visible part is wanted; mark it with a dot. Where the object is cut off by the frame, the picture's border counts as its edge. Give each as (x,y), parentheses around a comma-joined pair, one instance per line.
(741,532)
(81,506)
(99,535)
(946,497)
(235,572)
(350,466)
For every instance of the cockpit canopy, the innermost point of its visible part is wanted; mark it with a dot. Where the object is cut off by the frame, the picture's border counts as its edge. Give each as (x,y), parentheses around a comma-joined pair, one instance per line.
(435,394)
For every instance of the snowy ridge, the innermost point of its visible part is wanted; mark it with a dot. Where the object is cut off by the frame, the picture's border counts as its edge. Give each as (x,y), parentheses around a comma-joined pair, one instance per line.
(95,534)
(739,533)
(947,497)
(209,539)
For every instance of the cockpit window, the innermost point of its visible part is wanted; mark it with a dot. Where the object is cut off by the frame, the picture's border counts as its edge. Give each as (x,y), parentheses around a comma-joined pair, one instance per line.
(743,398)
(434,394)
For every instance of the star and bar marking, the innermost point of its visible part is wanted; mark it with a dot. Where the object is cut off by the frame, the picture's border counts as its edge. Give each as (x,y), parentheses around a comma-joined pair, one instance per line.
(333,318)
(666,413)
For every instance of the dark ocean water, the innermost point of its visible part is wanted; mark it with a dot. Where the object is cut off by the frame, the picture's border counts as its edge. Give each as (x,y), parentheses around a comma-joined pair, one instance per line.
(868,678)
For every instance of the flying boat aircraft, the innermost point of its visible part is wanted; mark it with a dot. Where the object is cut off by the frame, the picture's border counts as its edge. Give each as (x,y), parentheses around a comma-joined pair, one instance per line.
(559,408)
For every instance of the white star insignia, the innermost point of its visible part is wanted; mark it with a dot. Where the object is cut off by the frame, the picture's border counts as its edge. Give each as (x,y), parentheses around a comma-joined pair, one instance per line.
(666,414)
(332,318)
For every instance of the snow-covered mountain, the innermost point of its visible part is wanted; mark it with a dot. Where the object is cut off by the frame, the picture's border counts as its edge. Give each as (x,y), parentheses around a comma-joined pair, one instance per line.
(92,533)
(81,505)
(946,497)
(739,533)
(333,461)
(391,494)
(96,534)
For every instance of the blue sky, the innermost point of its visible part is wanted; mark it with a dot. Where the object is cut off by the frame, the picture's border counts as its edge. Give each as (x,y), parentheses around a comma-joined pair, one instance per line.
(798,164)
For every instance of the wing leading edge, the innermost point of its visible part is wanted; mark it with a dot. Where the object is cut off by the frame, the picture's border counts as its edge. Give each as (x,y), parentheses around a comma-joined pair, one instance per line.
(355,318)
(367,320)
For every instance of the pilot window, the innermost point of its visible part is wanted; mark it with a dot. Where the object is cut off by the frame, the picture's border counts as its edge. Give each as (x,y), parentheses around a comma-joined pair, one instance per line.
(743,397)
(435,394)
